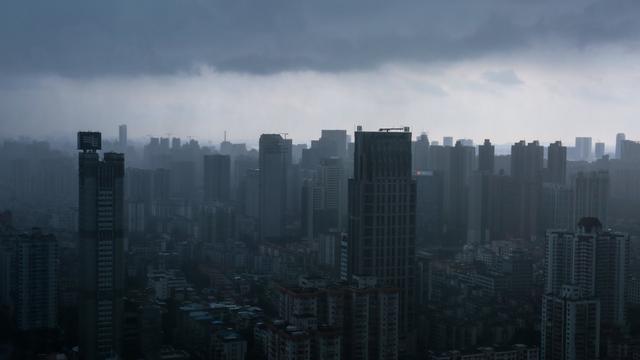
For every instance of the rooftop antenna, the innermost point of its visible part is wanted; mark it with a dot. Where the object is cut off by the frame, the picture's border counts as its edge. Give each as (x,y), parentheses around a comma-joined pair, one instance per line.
(225,136)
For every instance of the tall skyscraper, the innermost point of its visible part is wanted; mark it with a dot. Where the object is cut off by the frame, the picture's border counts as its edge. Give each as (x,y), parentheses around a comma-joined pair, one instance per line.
(447,141)
(333,182)
(35,265)
(556,163)
(101,233)
(275,160)
(486,157)
(620,137)
(122,136)
(217,177)
(382,203)
(526,169)
(461,169)
(591,192)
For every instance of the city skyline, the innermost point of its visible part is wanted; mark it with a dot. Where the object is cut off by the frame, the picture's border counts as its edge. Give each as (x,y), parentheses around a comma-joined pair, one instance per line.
(320,180)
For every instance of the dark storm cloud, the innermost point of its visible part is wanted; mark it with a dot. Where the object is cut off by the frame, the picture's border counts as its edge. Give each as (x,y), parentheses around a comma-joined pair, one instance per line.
(87,37)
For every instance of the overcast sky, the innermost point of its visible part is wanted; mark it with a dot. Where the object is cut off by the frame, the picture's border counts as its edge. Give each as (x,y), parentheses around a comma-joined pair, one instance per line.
(502,69)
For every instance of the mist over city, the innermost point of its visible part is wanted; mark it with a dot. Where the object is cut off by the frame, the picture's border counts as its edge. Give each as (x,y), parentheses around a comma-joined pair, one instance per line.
(300,180)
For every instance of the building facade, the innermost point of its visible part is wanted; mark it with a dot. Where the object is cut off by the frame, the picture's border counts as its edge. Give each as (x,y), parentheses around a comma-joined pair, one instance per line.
(101,233)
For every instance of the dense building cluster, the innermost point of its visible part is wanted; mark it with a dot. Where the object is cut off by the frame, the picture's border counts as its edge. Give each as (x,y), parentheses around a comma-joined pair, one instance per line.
(371,245)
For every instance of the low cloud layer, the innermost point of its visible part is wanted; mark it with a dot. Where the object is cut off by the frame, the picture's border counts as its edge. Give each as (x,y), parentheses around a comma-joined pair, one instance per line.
(553,102)
(504,69)
(88,38)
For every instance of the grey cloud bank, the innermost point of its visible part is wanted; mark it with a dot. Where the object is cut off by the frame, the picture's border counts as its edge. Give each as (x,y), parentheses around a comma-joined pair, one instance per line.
(503,69)
(86,38)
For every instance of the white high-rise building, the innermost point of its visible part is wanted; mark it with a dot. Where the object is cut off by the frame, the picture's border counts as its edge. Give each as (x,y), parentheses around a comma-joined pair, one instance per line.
(596,261)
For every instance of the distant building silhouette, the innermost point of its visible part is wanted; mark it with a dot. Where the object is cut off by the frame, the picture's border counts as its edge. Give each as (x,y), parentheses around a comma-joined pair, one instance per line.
(630,151)
(583,148)
(556,163)
(486,157)
(447,141)
(620,137)
(591,193)
(461,169)
(122,136)
(275,161)
(217,178)
(421,153)
(599,150)
(526,170)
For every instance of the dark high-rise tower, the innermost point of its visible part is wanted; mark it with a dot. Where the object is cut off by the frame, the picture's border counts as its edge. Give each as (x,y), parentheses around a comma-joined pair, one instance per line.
(217,177)
(101,232)
(333,143)
(486,157)
(527,162)
(557,163)
(275,161)
(461,169)
(382,203)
